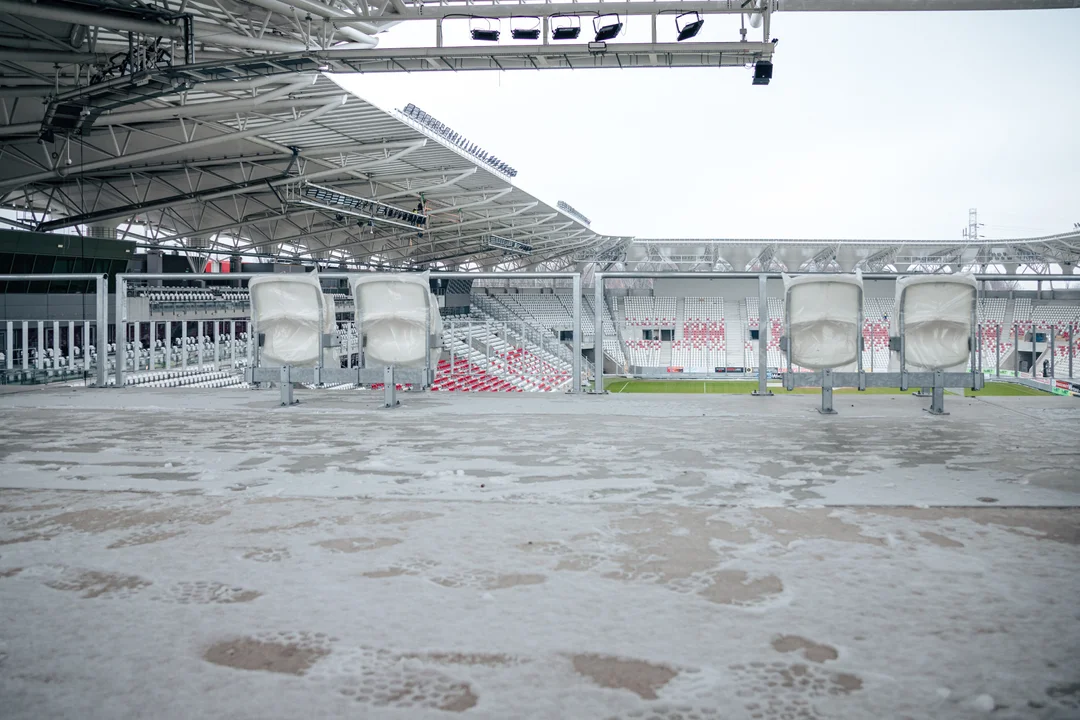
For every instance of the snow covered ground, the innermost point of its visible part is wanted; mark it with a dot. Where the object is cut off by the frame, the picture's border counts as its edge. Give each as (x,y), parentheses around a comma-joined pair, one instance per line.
(207,554)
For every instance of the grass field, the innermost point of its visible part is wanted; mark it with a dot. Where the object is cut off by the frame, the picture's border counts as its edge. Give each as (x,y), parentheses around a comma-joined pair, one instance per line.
(742,387)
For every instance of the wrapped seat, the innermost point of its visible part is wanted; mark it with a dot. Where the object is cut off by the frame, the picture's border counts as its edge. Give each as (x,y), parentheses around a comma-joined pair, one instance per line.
(823,320)
(938,312)
(399,317)
(290,313)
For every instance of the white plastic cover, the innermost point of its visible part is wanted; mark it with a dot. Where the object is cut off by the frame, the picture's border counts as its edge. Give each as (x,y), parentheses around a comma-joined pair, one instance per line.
(823,322)
(288,311)
(937,320)
(395,312)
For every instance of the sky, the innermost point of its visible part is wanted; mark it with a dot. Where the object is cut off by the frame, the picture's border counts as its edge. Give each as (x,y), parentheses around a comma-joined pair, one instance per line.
(875,125)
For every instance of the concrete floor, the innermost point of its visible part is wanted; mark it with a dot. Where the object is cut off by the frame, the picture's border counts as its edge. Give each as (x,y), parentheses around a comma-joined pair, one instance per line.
(207,554)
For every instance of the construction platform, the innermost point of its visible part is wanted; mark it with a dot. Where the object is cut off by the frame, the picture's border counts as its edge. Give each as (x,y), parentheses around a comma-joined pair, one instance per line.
(188,554)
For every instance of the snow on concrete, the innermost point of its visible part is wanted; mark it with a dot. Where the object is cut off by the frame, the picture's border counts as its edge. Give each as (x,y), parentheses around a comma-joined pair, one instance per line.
(210,555)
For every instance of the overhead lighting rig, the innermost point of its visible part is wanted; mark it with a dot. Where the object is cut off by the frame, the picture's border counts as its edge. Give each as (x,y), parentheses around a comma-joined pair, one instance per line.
(373,210)
(446,133)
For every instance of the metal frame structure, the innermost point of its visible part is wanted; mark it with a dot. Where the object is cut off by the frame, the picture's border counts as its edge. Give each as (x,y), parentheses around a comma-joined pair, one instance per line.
(826,379)
(180,126)
(360,375)
(101,315)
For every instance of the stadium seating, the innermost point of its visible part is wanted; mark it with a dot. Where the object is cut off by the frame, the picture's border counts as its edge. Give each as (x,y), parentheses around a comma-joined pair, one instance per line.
(654,312)
(644,353)
(703,345)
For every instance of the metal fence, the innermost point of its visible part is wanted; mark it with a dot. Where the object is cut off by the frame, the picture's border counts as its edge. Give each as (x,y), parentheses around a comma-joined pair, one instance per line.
(126,327)
(764,326)
(36,350)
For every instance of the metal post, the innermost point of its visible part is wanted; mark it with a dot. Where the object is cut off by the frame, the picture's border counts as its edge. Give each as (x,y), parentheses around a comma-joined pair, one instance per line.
(249,344)
(86,344)
(217,347)
(389,388)
(136,346)
(183,344)
(937,402)
(1053,351)
(1072,348)
(121,328)
(102,329)
(200,328)
(577,334)
(9,345)
(286,388)
(71,346)
(1016,349)
(232,344)
(980,341)
(168,345)
(827,392)
(40,345)
(763,338)
(56,343)
(997,349)
(25,345)
(598,332)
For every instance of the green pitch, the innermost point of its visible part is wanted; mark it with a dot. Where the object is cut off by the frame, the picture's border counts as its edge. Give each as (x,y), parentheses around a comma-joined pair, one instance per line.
(743,387)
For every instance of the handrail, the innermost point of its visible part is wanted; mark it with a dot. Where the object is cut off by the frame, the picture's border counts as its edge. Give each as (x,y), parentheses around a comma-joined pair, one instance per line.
(101,309)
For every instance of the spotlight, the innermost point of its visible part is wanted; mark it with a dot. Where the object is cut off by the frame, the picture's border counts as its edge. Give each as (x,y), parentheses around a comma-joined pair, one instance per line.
(485,33)
(525,33)
(570,31)
(611,28)
(762,72)
(688,25)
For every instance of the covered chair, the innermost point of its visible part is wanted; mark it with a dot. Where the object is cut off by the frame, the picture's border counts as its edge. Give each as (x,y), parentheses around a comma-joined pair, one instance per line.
(398,318)
(937,316)
(824,320)
(290,312)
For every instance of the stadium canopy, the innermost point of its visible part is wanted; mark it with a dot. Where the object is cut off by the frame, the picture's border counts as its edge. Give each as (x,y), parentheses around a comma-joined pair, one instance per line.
(213,125)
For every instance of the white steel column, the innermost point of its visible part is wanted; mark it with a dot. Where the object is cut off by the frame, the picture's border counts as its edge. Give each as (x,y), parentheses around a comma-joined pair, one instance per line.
(577,334)
(9,345)
(598,331)
(763,337)
(41,345)
(102,331)
(71,345)
(120,326)
(25,345)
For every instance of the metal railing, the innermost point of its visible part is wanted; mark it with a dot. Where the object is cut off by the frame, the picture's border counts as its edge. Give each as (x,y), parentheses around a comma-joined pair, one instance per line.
(101,318)
(763,307)
(122,280)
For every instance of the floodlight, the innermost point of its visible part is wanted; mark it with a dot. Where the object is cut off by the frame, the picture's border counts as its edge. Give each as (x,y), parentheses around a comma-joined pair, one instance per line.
(762,72)
(570,31)
(486,34)
(610,28)
(525,33)
(688,25)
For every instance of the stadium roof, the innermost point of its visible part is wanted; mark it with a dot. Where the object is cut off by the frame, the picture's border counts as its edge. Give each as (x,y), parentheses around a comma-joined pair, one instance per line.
(215,127)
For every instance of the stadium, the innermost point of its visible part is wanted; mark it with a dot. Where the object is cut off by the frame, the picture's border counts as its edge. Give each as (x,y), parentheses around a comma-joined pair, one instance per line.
(311,405)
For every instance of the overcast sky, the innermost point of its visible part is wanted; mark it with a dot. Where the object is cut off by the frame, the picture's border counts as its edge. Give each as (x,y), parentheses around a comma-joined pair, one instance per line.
(876,125)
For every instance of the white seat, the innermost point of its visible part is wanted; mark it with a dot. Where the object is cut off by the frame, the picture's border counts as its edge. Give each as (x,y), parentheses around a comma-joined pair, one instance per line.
(399,317)
(288,310)
(938,312)
(823,327)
